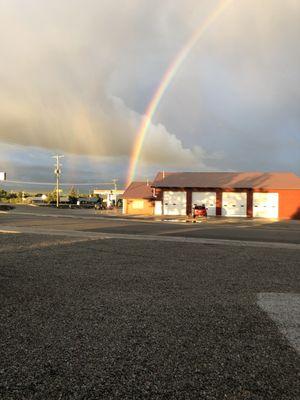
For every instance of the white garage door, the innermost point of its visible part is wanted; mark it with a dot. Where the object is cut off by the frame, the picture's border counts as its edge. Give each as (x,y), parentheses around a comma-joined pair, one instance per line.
(265,205)
(234,204)
(207,198)
(175,203)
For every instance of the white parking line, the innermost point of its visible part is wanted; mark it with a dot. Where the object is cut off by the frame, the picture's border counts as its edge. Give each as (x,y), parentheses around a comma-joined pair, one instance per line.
(178,239)
(9,231)
(209,224)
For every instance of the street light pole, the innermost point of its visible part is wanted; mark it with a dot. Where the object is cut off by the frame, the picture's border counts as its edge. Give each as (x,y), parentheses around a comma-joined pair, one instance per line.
(57,172)
(115,189)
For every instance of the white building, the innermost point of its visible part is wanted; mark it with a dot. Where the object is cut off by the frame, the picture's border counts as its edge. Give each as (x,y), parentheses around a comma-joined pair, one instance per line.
(109,196)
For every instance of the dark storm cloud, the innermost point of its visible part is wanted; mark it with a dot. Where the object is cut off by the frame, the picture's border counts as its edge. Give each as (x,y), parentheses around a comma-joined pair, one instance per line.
(76,77)
(58,61)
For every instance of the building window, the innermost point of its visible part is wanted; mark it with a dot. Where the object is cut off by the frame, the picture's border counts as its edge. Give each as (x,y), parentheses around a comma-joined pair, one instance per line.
(138,204)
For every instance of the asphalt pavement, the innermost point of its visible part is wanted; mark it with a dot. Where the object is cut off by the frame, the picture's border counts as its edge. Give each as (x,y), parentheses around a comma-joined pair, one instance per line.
(86,318)
(211,228)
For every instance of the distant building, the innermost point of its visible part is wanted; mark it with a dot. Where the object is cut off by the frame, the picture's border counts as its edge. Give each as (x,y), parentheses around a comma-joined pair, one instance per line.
(109,196)
(229,194)
(224,194)
(37,199)
(138,199)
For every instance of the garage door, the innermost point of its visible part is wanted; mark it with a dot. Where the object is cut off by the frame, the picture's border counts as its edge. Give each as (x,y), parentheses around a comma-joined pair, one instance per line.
(265,205)
(207,198)
(234,204)
(175,203)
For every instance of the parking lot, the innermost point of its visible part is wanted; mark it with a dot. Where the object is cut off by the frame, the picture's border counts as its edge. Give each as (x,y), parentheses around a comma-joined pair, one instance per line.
(81,220)
(99,307)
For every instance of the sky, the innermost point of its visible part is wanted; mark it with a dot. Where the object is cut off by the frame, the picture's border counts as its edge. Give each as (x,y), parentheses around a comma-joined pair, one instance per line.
(77,75)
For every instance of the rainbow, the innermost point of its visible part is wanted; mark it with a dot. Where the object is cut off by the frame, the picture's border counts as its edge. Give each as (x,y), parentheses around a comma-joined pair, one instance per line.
(164,84)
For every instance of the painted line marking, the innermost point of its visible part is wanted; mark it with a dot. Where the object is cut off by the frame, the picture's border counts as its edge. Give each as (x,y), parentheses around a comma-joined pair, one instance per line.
(209,224)
(284,310)
(8,231)
(178,239)
(179,230)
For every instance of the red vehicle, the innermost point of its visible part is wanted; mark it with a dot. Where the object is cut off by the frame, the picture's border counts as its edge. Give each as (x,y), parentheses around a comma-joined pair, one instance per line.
(199,211)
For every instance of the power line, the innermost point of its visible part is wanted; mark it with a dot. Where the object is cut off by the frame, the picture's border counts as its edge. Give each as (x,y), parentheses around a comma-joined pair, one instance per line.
(61,184)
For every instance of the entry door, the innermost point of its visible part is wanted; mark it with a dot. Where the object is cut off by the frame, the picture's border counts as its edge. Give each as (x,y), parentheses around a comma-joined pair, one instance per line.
(234,204)
(158,207)
(206,198)
(174,203)
(265,205)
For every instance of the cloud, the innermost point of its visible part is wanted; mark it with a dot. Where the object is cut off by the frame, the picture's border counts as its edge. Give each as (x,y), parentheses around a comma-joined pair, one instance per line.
(58,58)
(239,90)
(76,77)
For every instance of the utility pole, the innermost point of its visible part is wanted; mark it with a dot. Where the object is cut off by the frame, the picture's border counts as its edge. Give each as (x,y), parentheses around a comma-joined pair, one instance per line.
(114,191)
(57,172)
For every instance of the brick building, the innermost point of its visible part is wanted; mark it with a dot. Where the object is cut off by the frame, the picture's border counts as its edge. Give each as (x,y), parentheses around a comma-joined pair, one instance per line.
(229,194)
(138,199)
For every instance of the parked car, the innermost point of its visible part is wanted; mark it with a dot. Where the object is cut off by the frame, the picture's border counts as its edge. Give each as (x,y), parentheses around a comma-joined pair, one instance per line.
(199,211)
(99,206)
(85,204)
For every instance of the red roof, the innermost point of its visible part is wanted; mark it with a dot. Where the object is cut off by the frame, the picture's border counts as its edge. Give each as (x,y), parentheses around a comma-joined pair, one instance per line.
(228,180)
(138,190)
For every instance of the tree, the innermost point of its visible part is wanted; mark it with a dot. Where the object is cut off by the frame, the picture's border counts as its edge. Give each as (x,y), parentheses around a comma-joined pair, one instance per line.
(10,196)
(3,194)
(73,196)
(51,196)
